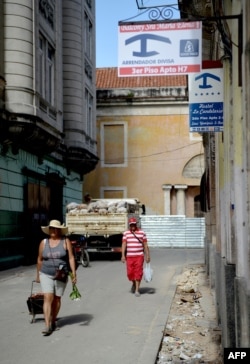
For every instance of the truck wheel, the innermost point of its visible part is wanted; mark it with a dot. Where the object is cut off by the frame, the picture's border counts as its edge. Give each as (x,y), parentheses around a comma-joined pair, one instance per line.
(84,258)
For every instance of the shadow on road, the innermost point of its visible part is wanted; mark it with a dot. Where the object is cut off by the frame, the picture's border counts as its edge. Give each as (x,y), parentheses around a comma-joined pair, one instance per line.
(82,319)
(147,290)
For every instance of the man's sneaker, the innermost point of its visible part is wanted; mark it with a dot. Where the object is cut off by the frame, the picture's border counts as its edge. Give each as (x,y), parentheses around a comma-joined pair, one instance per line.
(132,290)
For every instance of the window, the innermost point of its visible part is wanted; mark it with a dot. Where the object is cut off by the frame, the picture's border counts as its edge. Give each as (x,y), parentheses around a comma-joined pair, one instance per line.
(88,36)
(46,70)
(38,197)
(88,112)
(113,192)
(50,75)
(114,144)
(42,66)
(197,207)
(89,3)
(47,10)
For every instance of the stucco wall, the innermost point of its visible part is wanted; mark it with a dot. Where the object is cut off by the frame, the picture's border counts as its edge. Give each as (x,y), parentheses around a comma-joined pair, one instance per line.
(158,147)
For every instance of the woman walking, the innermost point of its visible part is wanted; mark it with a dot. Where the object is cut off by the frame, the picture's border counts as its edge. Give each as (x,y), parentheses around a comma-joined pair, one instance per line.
(54,252)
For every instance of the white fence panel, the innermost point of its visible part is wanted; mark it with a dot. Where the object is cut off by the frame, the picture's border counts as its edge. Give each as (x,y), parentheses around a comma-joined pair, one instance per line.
(174,231)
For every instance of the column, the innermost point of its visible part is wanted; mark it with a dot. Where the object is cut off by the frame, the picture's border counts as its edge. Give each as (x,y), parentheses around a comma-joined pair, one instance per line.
(167,201)
(180,197)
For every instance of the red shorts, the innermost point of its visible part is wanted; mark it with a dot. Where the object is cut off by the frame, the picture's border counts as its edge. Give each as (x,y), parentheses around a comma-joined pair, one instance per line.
(135,268)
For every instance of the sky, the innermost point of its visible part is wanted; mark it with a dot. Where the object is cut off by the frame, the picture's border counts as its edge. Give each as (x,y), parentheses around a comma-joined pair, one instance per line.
(108,14)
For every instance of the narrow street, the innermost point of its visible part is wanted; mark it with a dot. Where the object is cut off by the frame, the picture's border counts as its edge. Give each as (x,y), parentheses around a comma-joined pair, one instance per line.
(108,326)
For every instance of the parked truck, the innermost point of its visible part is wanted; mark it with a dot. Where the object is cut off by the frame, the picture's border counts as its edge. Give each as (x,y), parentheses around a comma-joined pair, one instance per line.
(102,222)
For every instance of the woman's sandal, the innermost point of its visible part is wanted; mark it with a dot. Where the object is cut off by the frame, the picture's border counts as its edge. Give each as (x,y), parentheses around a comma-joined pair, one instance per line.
(54,327)
(47,331)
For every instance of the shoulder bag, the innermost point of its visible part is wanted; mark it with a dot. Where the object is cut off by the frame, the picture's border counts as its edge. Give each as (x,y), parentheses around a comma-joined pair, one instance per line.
(138,239)
(60,275)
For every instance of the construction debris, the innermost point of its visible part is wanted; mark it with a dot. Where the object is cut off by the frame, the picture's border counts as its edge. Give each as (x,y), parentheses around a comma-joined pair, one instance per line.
(191,335)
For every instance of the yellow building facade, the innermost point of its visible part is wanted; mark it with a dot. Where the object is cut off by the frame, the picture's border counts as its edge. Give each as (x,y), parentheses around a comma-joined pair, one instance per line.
(144,145)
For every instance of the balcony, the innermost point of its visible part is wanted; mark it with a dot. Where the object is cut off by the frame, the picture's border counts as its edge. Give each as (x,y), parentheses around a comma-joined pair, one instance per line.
(31,134)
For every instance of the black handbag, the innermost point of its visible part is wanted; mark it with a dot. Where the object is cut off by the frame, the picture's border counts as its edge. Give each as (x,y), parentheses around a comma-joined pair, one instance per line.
(61,275)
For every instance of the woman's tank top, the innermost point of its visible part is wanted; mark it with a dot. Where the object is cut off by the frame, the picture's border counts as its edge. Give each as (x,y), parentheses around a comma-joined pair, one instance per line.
(53,257)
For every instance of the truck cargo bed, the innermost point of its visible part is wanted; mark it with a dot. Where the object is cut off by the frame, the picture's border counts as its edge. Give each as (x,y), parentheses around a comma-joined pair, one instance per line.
(102,222)
(92,224)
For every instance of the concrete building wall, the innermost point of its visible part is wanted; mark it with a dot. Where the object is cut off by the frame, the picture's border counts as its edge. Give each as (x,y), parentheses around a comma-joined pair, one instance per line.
(227,169)
(242,180)
(12,181)
(46,58)
(234,240)
(79,73)
(20,231)
(227,220)
(19,56)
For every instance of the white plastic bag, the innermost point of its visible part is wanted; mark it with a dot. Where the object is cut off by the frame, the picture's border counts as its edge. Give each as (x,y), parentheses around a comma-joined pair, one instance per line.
(147,273)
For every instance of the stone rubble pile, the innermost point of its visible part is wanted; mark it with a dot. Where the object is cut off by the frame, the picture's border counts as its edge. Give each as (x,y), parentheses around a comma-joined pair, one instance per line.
(102,207)
(189,336)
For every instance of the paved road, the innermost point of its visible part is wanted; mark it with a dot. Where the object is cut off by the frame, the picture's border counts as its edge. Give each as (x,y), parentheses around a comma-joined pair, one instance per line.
(108,326)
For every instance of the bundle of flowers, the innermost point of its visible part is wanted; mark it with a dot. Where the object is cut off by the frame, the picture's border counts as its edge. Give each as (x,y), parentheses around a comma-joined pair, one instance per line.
(75,294)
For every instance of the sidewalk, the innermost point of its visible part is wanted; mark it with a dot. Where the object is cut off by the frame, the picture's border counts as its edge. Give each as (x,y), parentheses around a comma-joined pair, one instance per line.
(191,334)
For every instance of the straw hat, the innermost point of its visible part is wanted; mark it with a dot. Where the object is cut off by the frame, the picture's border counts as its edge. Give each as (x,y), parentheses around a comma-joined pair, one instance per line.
(55,224)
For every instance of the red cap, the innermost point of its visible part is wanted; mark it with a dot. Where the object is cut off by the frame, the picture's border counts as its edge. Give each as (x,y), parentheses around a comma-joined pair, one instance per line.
(132,220)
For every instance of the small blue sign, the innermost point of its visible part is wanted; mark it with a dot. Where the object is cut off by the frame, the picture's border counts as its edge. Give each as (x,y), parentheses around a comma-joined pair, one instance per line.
(206,116)
(206,101)
(189,47)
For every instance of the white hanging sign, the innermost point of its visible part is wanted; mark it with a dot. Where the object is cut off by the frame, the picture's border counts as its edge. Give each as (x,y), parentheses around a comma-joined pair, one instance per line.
(157,49)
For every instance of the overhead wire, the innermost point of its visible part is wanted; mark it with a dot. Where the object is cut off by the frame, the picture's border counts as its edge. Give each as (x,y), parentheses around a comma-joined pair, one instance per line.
(155,154)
